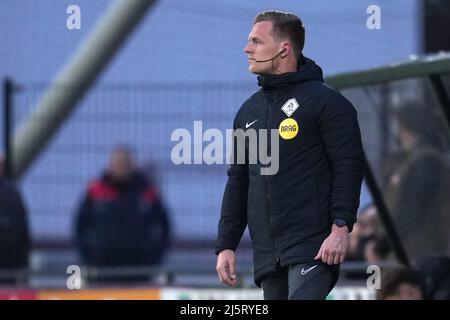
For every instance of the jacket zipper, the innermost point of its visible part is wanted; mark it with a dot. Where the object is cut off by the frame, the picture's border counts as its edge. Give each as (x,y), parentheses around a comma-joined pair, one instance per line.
(277,255)
(268,127)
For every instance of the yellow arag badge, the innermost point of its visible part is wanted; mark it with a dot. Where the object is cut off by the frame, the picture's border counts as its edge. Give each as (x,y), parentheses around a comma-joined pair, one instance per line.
(288,128)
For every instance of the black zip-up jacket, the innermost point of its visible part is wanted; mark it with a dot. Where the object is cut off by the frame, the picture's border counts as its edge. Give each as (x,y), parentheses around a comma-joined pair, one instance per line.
(290,213)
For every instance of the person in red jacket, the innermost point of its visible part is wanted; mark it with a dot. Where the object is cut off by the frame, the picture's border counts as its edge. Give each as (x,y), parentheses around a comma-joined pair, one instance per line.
(121,220)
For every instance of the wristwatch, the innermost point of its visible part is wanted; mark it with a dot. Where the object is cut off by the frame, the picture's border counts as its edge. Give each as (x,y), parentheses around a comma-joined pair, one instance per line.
(340,222)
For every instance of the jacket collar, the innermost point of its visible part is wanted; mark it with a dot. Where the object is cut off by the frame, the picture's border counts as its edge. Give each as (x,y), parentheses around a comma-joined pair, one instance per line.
(307,70)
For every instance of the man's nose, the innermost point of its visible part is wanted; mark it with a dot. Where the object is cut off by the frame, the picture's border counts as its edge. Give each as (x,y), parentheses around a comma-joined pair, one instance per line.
(247,48)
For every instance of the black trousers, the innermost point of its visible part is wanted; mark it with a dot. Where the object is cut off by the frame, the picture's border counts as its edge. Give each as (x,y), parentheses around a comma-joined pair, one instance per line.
(310,281)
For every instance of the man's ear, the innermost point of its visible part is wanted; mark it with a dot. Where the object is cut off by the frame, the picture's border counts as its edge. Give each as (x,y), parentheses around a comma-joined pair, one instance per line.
(286,50)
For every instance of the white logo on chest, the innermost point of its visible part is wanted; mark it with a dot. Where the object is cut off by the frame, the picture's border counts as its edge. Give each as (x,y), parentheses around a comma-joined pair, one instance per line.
(290,106)
(248,125)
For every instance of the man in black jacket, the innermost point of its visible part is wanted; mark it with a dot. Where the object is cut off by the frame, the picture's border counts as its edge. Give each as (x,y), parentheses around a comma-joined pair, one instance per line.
(298,218)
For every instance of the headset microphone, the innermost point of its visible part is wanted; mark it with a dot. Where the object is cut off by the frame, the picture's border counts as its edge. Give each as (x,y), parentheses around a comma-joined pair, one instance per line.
(272,58)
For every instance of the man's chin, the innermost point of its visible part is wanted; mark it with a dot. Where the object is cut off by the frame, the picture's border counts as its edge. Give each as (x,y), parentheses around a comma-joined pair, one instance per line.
(254,70)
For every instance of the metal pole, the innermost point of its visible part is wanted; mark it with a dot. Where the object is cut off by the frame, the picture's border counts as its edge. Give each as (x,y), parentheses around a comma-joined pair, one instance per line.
(441,95)
(75,80)
(7,118)
(384,119)
(383,211)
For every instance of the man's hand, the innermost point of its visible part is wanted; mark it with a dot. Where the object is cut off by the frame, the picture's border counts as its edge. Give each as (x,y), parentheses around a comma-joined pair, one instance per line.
(334,248)
(226,267)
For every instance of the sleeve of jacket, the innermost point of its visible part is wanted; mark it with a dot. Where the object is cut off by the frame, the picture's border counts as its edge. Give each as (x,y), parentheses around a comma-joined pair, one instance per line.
(341,137)
(83,227)
(233,220)
(158,230)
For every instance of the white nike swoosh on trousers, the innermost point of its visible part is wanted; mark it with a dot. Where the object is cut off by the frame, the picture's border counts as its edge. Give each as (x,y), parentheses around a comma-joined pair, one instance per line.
(303,272)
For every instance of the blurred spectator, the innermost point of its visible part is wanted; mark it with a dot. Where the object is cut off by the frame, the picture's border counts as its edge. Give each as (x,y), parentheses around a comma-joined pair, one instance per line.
(122,221)
(367,243)
(417,182)
(400,284)
(14,234)
(377,249)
